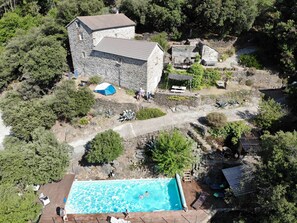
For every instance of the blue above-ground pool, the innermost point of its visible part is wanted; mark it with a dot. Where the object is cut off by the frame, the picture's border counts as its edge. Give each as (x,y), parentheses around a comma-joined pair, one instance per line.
(114,196)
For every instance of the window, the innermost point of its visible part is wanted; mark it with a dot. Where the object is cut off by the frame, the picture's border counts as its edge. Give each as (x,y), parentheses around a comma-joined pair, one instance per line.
(83,54)
(80,36)
(77,24)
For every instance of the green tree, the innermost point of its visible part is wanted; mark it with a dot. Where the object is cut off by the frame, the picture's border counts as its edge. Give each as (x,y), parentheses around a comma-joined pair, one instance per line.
(18,206)
(70,9)
(105,147)
(33,56)
(24,117)
(68,102)
(84,100)
(161,39)
(226,16)
(12,21)
(232,131)
(40,161)
(166,16)
(277,178)
(136,10)
(172,153)
(269,113)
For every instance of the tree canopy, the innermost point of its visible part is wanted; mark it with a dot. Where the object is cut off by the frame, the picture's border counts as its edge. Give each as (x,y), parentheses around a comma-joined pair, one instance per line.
(70,9)
(70,102)
(105,147)
(172,153)
(40,161)
(18,206)
(277,178)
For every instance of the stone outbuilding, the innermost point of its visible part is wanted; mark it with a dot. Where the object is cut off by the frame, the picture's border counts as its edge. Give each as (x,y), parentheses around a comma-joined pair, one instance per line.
(184,55)
(104,45)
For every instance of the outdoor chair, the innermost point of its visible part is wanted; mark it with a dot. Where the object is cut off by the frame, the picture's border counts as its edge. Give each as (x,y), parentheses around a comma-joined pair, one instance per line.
(117,220)
(199,202)
(44,199)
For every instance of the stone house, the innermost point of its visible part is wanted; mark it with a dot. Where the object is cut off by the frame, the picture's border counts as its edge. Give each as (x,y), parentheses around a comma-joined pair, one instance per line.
(104,45)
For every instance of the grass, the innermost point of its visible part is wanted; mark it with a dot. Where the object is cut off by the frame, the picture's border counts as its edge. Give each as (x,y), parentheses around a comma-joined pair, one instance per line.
(178,98)
(148,113)
(130,92)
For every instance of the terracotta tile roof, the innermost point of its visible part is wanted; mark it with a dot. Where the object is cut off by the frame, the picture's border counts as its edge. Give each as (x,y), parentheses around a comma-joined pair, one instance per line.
(108,21)
(135,49)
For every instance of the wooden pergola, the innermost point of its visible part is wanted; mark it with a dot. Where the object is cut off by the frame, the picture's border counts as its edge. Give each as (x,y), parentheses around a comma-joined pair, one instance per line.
(180,77)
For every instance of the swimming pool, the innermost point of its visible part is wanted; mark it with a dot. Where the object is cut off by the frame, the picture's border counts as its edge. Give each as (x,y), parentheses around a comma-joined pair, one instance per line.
(113,196)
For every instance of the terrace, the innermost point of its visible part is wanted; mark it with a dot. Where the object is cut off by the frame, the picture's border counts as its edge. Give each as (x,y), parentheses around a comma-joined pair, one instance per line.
(58,191)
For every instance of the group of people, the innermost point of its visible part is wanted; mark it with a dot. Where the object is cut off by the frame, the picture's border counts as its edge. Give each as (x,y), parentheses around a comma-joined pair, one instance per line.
(146,194)
(141,94)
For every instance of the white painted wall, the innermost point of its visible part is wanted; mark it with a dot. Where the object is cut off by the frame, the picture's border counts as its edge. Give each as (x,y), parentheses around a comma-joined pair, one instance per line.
(154,69)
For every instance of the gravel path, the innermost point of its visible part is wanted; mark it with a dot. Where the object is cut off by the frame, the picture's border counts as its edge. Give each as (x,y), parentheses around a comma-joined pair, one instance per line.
(137,128)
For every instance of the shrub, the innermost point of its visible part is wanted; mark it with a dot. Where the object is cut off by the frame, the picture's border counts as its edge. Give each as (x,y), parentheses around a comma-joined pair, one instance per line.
(232,131)
(105,147)
(147,113)
(216,119)
(161,39)
(172,153)
(178,98)
(269,113)
(250,60)
(249,82)
(83,121)
(95,79)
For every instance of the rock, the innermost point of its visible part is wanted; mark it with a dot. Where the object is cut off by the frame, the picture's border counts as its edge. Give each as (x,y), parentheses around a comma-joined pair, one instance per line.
(115,163)
(106,168)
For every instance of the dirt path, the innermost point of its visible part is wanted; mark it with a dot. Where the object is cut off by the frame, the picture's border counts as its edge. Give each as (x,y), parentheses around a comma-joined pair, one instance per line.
(137,128)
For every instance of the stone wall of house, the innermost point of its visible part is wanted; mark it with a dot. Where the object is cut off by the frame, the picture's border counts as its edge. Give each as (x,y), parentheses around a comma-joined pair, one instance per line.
(123,32)
(121,71)
(80,48)
(154,69)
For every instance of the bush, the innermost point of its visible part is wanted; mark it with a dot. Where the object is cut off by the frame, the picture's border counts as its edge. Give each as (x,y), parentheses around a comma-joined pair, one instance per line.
(148,113)
(216,119)
(105,147)
(232,131)
(249,82)
(95,79)
(161,39)
(172,153)
(270,113)
(250,60)
(83,121)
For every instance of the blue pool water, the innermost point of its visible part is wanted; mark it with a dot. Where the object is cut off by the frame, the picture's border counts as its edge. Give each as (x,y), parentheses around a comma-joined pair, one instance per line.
(112,196)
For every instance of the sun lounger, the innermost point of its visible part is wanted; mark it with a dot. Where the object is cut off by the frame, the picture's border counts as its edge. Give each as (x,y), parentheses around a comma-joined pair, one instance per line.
(44,199)
(117,220)
(199,202)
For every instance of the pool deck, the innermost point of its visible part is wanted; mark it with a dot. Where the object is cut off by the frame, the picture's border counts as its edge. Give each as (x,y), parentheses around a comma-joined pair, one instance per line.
(57,191)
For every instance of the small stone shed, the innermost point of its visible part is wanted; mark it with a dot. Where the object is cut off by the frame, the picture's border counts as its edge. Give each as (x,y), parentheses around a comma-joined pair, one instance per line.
(184,55)
(104,45)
